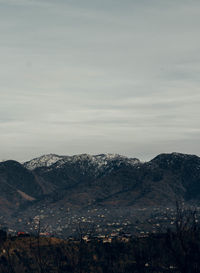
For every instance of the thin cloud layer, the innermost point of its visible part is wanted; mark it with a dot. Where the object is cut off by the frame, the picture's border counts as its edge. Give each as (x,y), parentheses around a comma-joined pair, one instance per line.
(99,76)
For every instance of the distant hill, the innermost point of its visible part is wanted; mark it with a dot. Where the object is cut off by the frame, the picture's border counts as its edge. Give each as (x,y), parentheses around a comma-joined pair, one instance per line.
(101,180)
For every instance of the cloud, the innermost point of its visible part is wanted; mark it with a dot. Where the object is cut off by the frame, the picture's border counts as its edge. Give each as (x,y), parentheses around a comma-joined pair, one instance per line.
(26,3)
(99,76)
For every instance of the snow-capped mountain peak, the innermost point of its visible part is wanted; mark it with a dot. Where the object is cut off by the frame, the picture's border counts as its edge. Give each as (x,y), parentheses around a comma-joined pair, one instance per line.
(42,161)
(98,161)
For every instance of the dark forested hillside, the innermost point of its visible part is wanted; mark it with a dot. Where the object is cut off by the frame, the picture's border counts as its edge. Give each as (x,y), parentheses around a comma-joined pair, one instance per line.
(107,181)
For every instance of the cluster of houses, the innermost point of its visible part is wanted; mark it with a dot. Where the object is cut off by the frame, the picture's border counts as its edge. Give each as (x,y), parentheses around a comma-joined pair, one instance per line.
(103,223)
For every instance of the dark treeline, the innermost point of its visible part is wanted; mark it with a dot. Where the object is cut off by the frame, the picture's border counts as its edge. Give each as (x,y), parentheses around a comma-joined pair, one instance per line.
(173,251)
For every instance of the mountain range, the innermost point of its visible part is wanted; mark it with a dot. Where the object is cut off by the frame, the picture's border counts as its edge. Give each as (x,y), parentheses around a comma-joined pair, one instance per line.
(105,180)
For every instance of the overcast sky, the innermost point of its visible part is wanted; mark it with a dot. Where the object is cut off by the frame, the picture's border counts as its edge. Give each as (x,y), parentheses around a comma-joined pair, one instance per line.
(99,76)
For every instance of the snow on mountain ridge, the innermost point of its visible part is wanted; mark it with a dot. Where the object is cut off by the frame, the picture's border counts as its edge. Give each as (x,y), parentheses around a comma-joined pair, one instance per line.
(42,161)
(98,161)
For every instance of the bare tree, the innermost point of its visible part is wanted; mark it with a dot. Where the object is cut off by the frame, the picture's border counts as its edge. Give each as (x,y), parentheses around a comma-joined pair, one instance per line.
(184,241)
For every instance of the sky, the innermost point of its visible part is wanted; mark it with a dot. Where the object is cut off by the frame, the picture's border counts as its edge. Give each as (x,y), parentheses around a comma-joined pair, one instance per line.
(92,76)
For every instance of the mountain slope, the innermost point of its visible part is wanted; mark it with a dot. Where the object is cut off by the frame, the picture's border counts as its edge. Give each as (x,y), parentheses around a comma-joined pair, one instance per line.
(163,180)
(103,180)
(17,185)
